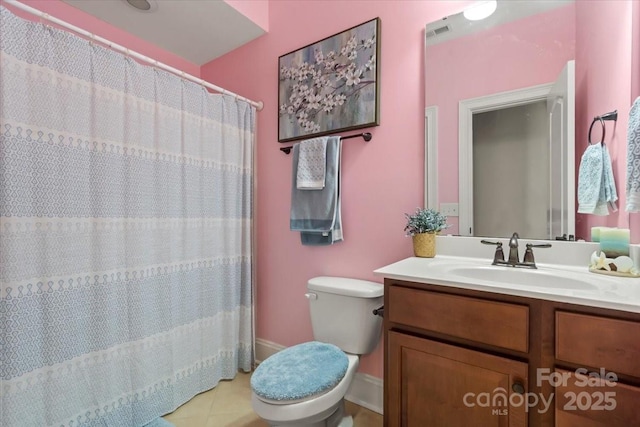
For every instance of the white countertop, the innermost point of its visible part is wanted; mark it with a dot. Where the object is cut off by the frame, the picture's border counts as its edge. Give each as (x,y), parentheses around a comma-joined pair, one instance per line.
(617,293)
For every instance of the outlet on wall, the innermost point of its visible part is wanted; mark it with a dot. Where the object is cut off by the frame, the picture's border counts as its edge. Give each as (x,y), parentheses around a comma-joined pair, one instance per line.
(449,209)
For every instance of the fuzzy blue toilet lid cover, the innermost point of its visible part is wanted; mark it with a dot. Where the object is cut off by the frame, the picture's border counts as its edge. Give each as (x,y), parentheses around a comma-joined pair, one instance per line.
(301,371)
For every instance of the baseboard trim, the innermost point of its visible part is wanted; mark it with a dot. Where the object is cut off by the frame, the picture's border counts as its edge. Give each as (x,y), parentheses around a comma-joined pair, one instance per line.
(366,390)
(266,349)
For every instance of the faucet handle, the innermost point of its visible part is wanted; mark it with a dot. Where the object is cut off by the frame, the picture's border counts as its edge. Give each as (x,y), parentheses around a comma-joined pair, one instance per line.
(528,253)
(488,242)
(541,245)
(499,255)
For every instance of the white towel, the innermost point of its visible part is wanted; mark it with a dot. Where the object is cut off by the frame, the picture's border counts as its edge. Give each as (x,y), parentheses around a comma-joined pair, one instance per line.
(596,186)
(633,159)
(312,161)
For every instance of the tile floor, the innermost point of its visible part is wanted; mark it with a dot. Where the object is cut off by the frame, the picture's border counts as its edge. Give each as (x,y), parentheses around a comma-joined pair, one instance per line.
(229,405)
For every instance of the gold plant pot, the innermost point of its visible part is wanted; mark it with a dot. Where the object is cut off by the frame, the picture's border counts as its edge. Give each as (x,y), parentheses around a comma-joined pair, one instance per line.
(424,245)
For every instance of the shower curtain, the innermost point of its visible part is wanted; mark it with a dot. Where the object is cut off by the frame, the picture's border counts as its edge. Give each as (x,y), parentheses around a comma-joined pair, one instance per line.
(125,234)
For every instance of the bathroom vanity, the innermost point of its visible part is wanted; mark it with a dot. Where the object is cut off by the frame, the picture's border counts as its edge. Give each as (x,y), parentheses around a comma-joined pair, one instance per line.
(467,343)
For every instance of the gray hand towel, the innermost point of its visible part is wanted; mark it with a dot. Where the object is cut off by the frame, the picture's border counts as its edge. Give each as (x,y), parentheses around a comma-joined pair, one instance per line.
(316,214)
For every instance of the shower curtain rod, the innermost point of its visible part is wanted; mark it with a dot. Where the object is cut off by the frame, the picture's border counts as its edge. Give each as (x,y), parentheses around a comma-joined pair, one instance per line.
(258,104)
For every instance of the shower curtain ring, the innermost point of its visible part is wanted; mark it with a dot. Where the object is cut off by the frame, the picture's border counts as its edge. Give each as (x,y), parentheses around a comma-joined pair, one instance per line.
(44,19)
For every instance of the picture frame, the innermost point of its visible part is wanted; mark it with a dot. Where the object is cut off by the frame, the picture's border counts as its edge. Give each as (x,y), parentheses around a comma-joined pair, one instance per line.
(331,85)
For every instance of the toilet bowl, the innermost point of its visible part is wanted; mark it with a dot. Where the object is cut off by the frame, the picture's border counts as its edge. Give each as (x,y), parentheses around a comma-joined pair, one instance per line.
(286,392)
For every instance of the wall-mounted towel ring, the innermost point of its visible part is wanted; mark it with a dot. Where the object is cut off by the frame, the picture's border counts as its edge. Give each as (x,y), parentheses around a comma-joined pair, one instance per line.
(613,115)
(604,128)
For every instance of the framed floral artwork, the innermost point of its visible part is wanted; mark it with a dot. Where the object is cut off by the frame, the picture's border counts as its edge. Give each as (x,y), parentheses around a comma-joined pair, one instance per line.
(331,85)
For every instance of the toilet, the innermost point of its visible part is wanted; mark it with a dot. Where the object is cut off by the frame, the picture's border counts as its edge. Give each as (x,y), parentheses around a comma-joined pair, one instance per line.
(305,385)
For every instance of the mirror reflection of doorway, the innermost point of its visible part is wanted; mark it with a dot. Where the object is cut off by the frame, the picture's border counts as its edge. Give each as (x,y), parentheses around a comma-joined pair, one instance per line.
(513,185)
(511,171)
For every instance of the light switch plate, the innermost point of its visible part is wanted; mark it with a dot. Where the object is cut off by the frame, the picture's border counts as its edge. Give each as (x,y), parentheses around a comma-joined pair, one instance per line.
(449,209)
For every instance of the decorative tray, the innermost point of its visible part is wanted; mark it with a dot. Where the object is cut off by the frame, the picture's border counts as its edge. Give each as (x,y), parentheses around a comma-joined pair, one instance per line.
(613,273)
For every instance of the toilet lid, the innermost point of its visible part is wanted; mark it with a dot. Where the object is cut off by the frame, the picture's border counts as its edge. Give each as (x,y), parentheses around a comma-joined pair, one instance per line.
(299,372)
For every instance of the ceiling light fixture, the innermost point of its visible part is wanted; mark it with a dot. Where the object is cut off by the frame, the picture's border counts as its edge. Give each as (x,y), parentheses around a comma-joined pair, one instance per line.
(143,5)
(480,10)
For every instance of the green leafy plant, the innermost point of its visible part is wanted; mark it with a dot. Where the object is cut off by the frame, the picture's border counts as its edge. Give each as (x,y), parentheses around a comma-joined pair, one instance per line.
(425,221)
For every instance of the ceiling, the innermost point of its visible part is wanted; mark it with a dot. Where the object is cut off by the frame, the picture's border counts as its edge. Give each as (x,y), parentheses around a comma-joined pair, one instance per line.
(454,26)
(196,30)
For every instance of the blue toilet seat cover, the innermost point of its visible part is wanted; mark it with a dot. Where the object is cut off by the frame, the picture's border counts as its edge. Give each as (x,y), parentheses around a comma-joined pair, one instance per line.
(300,371)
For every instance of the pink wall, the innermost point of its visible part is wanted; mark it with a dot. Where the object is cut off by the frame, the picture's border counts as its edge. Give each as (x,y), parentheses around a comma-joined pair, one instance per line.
(382,179)
(70,14)
(256,10)
(489,62)
(603,84)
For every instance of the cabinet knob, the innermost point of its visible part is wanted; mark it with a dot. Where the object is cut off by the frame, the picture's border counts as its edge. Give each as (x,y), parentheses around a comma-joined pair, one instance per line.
(518,388)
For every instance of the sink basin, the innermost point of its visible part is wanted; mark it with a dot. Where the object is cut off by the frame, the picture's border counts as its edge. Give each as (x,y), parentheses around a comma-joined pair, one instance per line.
(520,276)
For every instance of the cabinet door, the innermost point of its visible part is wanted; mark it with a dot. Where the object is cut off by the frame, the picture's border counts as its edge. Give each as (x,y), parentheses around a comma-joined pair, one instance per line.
(431,384)
(582,402)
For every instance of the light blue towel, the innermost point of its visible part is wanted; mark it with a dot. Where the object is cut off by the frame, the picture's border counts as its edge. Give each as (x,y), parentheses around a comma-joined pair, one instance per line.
(596,186)
(312,164)
(633,158)
(317,214)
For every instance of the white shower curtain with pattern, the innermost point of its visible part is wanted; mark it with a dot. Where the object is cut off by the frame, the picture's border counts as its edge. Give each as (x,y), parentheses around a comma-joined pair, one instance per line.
(125,234)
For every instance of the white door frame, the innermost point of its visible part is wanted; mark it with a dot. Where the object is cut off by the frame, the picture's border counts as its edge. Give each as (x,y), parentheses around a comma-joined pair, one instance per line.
(431,158)
(466,109)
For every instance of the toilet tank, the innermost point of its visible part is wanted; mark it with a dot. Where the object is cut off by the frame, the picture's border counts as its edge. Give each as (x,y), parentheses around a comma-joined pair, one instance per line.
(342,312)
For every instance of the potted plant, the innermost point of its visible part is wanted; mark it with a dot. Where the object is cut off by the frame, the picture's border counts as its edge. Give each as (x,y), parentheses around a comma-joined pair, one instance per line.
(422,226)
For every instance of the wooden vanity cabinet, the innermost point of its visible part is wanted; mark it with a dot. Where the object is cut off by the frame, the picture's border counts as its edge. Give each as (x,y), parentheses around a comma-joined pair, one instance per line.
(440,385)
(613,347)
(457,357)
(498,324)
(595,405)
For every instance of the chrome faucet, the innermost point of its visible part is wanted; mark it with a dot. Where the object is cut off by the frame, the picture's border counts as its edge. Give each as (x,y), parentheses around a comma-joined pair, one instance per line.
(528,260)
(513,250)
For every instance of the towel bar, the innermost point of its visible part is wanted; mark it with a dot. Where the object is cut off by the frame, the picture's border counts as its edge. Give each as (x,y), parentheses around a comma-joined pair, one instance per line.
(365,135)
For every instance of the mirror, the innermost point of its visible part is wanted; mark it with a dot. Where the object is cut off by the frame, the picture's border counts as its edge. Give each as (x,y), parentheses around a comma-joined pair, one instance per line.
(500,120)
